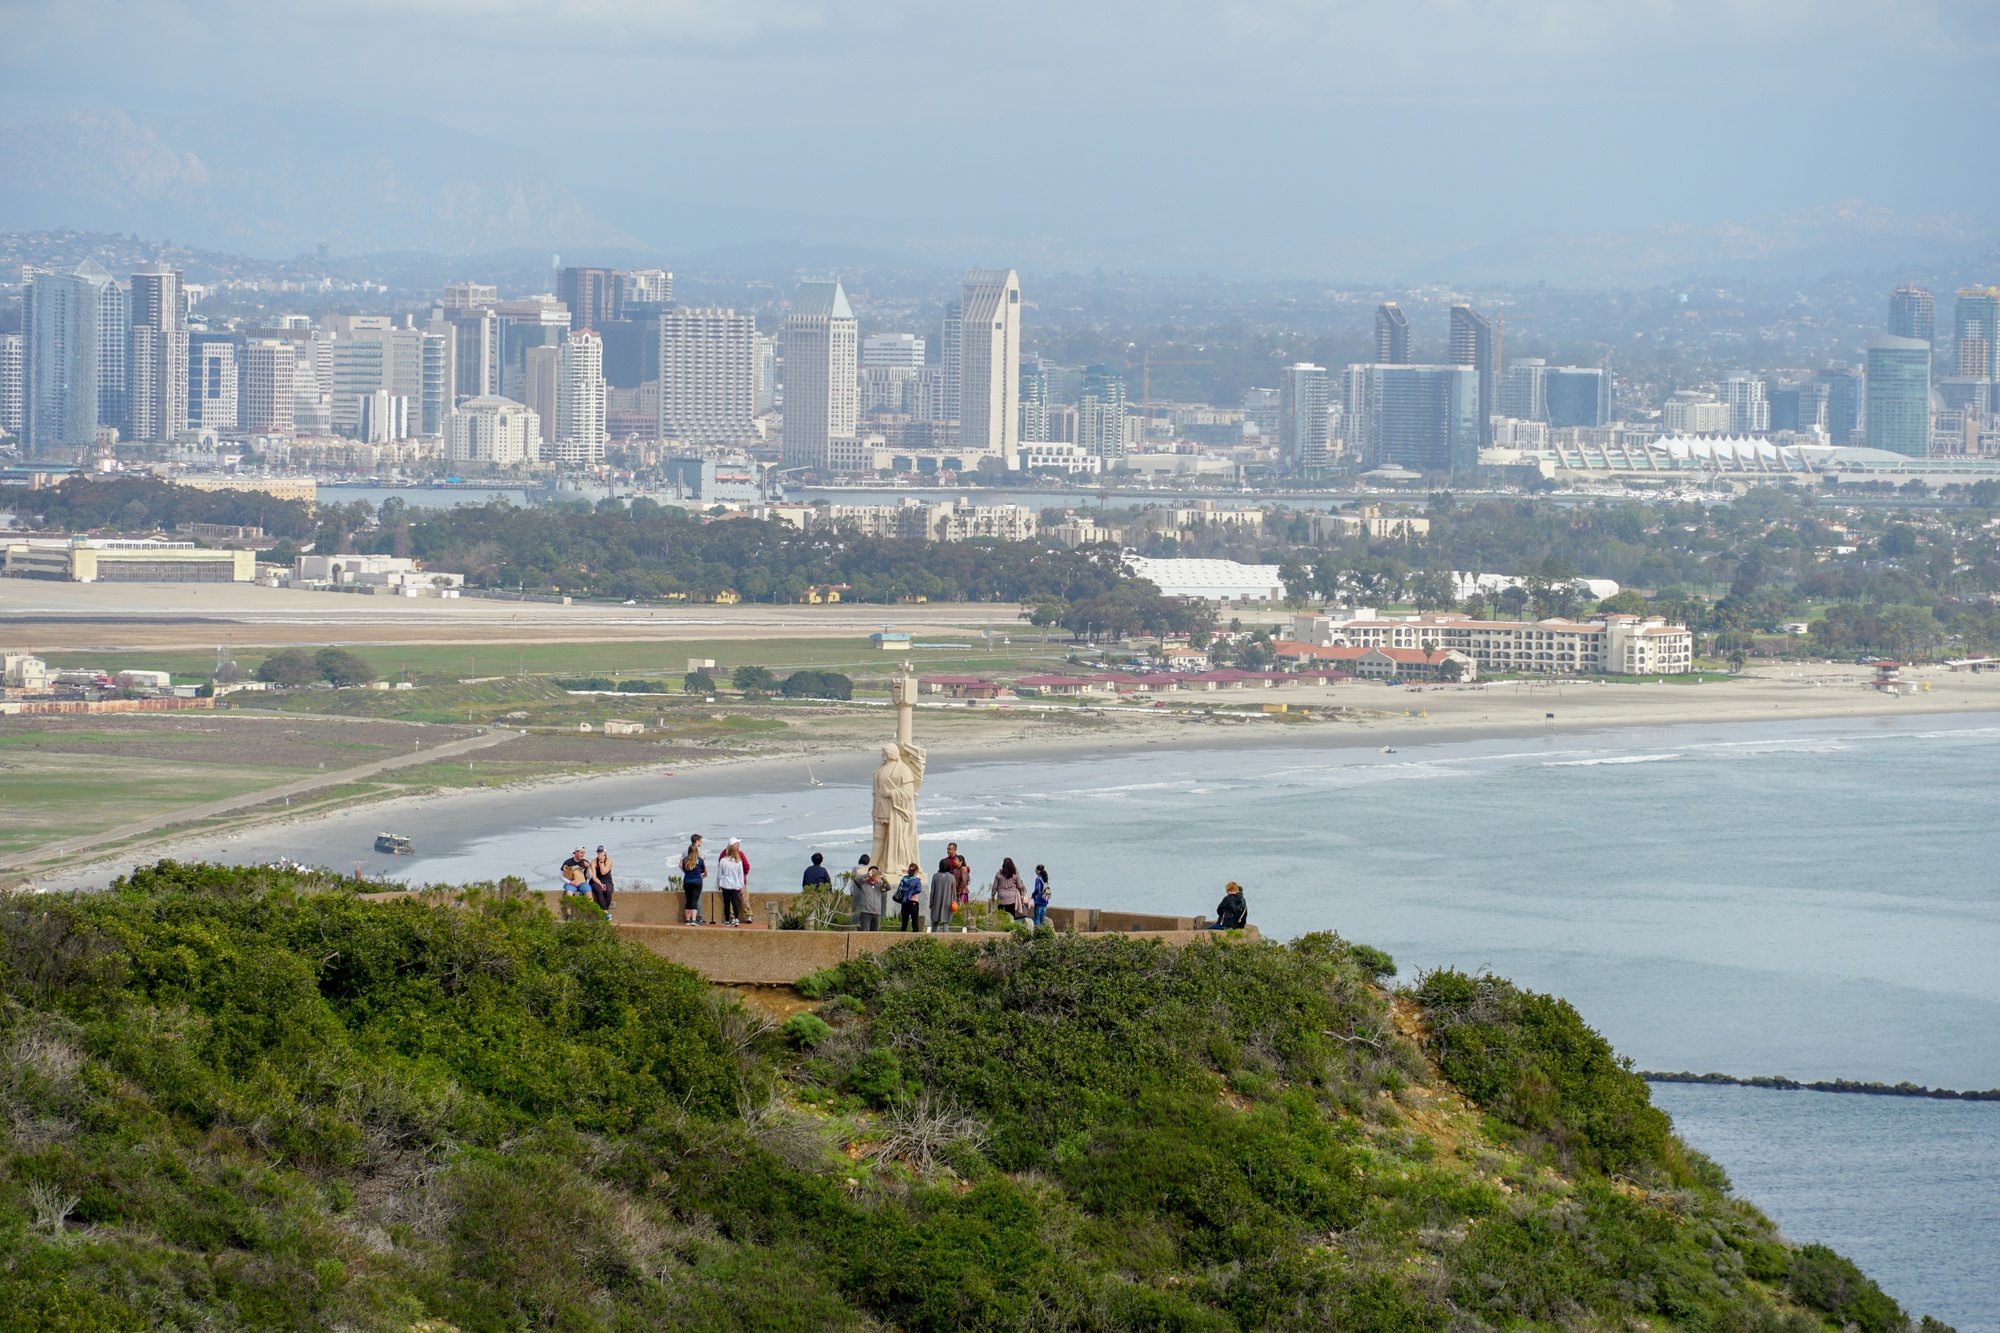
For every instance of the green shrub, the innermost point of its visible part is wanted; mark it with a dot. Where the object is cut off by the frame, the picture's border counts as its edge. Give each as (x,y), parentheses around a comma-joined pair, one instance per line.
(642,687)
(760,679)
(1378,963)
(806,1030)
(817,685)
(818,985)
(697,682)
(1822,1280)
(582,683)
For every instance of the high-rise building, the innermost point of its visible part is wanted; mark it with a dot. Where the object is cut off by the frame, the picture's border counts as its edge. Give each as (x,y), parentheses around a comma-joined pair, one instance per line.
(593,295)
(950,335)
(1425,418)
(708,375)
(60,323)
(1534,390)
(1843,392)
(989,363)
(1304,390)
(1899,395)
(469,296)
(540,367)
(580,405)
(892,351)
(13,379)
(369,357)
(1472,345)
(157,374)
(1392,335)
(475,347)
(767,373)
(1749,407)
(822,389)
(1976,330)
(1100,413)
(537,321)
(1034,394)
(268,386)
(1913,314)
(114,351)
(213,382)
(649,286)
(493,430)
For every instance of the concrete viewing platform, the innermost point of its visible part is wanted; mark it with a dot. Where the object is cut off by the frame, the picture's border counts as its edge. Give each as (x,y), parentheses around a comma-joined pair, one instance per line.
(760,955)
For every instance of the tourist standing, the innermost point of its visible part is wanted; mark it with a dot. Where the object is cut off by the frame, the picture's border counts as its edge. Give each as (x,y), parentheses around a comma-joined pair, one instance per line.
(816,873)
(601,886)
(732,876)
(909,897)
(694,871)
(1007,890)
(1041,895)
(866,894)
(961,872)
(1232,913)
(944,896)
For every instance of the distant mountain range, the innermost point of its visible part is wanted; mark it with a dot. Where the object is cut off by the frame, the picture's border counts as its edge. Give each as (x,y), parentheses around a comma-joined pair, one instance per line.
(278,177)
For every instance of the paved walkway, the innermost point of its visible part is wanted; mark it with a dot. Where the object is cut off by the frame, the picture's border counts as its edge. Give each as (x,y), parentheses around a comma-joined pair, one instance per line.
(318,781)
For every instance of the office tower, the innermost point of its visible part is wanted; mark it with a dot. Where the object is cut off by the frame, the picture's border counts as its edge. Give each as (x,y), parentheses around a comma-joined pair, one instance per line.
(1976,329)
(1843,394)
(1303,393)
(1534,390)
(537,321)
(156,377)
(767,374)
(493,430)
(1472,345)
(474,348)
(1392,335)
(1749,409)
(1786,401)
(989,363)
(950,336)
(213,382)
(539,371)
(60,317)
(1899,395)
(1912,314)
(593,295)
(649,286)
(580,431)
(435,371)
(893,350)
(469,296)
(822,391)
(13,378)
(1100,413)
(1425,418)
(1034,393)
(367,357)
(269,386)
(708,375)
(114,346)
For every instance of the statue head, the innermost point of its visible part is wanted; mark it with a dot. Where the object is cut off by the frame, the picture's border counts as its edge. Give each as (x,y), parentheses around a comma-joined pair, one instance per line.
(890,754)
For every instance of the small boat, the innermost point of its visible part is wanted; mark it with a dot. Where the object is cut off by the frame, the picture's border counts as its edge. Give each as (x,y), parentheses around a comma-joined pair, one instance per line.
(394,844)
(812,781)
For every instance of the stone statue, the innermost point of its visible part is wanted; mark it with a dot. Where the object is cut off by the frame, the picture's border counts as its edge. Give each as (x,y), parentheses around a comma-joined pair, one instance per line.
(897,783)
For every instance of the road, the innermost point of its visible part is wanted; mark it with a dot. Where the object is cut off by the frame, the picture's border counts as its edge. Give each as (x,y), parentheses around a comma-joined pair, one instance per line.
(317,782)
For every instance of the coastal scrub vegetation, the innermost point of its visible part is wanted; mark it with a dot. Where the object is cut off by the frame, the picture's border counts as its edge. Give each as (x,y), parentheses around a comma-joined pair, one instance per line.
(253,1098)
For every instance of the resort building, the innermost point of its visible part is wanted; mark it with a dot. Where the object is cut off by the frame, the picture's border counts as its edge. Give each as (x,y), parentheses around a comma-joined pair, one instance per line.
(1613,644)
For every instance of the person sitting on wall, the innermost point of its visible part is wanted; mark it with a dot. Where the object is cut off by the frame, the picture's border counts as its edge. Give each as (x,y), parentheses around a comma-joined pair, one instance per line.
(1232,913)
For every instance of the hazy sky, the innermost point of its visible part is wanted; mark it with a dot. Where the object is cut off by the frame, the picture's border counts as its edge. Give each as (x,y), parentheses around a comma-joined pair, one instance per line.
(1177,128)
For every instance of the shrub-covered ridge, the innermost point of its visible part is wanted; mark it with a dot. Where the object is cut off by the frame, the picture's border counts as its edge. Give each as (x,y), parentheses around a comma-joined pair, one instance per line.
(250,1099)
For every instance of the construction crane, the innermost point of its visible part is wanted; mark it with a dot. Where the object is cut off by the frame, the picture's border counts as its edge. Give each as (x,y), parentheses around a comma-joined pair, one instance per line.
(1146,364)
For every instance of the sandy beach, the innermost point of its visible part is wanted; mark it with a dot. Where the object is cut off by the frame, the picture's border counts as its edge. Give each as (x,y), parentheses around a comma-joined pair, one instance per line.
(958,735)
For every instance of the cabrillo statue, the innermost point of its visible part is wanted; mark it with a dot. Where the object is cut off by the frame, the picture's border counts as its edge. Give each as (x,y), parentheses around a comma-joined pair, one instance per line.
(897,783)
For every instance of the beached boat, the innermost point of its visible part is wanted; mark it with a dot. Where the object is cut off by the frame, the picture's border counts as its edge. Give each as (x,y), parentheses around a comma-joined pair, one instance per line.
(395,844)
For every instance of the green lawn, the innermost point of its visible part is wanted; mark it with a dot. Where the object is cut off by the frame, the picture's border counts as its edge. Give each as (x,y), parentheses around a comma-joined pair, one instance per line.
(48,797)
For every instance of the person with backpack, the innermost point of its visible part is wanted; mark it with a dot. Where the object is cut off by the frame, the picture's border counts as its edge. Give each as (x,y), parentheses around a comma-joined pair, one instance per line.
(909,897)
(1007,890)
(732,876)
(1040,898)
(694,871)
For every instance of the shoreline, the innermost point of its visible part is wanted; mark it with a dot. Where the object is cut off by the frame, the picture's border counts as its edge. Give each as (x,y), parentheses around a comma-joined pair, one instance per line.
(1437,716)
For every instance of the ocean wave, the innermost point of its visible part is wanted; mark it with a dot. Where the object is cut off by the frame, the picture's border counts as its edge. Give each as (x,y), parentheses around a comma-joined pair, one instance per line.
(1611,759)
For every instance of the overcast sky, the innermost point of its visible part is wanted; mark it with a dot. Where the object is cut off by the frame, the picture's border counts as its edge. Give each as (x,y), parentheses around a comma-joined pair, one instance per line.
(1175,126)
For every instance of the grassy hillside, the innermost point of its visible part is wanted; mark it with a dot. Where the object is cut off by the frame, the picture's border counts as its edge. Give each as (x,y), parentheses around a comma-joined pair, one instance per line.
(248,1099)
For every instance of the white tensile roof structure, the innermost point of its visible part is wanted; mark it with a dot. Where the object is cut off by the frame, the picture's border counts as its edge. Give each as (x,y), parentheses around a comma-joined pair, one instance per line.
(1212,580)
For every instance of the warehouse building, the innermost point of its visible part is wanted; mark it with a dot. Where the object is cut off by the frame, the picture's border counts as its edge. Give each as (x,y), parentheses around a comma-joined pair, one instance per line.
(126,560)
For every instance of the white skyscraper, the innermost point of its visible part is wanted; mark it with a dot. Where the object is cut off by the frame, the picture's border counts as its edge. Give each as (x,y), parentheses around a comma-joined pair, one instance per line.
(822,392)
(212,392)
(580,433)
(649,286)
(1303,393)
(269,385)
(989,360)
(13,368)
(495,430)
(157,374)
(60,319)
(898,351)
(1749,407)
(708,376)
